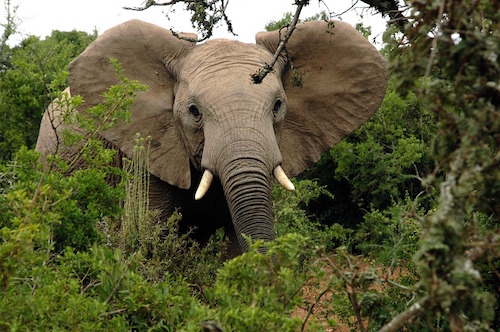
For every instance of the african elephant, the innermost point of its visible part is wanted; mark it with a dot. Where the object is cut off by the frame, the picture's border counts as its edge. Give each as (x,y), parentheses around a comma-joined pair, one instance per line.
(208,119)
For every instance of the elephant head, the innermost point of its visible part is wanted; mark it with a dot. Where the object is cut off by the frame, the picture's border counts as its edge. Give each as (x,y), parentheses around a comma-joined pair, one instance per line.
(203,109)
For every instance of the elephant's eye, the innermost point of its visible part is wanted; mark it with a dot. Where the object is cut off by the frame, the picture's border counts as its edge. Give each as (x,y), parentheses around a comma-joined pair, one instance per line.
(276,108)
(195,112)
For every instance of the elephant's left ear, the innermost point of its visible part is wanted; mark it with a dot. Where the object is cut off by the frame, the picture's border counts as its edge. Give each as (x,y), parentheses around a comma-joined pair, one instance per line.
(152,55)
(342,82)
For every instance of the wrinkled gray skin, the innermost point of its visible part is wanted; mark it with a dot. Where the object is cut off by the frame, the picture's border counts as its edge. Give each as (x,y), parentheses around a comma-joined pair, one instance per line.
(236,131)
(204,113)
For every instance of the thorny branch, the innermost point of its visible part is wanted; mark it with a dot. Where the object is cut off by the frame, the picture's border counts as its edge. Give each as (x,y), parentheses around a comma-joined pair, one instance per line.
(350,288)
(311,307)
(205,15)
(258,77)
(117,286)
(354,3)
(409,314)
(150,3)
(95,132)
(389,8)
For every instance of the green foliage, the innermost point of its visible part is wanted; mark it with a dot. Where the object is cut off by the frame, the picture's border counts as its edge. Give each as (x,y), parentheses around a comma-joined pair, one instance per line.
(69,206)
(384,159)
(283,22)
(258,292)
(94,290)
(287,19)
(291,217)
(391,235)
(365,31)
(9,28)
(38,70)
(379,164)
(91,121)
(165,251)
(455,48)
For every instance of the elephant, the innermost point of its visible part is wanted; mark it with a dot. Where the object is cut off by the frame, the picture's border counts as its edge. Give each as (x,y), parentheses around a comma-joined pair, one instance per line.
(211,124)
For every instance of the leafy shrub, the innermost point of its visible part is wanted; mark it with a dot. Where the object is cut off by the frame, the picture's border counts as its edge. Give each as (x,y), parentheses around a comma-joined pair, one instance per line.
(380,163)
(259,292)
(37,73)
(94,290)
(69,205)
(390,235)
(291,216)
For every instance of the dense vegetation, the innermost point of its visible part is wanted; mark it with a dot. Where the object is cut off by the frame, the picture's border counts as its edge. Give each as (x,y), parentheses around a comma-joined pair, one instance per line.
(36,72)
(396,224)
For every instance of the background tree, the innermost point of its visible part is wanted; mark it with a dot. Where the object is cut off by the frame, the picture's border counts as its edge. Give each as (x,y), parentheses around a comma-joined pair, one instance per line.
(37,72)
(452,49)
(9,28)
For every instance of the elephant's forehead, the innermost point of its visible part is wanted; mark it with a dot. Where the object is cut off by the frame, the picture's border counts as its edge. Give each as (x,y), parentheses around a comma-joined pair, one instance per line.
(232,57)
(226,66)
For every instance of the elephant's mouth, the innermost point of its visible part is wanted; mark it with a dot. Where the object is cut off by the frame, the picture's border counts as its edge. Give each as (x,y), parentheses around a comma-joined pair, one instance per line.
(207,178)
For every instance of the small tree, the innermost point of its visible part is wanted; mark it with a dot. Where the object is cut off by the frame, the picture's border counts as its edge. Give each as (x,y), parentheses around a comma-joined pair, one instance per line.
(37,73)
(9,28)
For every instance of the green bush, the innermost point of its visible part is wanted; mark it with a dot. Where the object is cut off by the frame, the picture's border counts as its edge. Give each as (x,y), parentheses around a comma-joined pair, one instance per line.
(291,216)
(380,163)
(69,205)
(37,73)
(259,292)
(163,249)
(288,204)
(390,235)
(94,290)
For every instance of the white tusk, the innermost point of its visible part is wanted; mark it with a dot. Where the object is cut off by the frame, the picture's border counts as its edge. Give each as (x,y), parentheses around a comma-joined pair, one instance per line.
(205,182)
(283,179)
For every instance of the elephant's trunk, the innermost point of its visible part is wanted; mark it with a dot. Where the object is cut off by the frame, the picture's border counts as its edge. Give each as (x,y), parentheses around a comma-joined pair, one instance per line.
(244,159)
(247,186)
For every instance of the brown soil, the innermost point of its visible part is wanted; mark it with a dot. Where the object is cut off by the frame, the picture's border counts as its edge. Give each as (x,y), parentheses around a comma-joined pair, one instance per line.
(321,312)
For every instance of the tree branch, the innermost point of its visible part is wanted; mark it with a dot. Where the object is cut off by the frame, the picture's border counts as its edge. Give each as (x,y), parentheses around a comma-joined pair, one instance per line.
(205,15)
(258,77)
(117,286)
(311,307)
(352,295)
(412,312)
(150,3)
(389,8)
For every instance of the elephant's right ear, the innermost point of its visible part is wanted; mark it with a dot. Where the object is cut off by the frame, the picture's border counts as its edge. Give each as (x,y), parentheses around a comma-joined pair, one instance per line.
(151,55)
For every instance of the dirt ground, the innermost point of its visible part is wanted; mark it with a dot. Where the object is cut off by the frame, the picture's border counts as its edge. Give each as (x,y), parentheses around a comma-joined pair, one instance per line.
(322,310)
